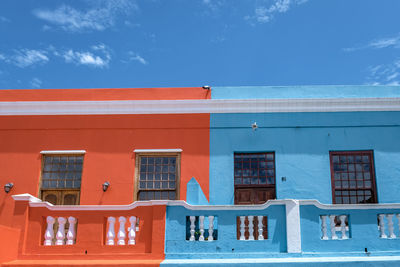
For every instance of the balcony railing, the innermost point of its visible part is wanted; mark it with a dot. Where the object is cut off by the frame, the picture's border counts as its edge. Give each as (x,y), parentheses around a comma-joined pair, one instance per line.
(151,228)
(135,230)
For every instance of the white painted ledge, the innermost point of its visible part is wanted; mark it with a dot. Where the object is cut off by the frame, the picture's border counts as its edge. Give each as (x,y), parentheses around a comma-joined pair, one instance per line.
(177,150)
(349,206)
(68,152)
(36,202)
(198,106)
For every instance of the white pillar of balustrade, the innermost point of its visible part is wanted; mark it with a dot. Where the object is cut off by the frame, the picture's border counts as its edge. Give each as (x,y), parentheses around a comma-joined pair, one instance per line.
(111,231)
(390,225)
(260,228)
(251,227)
(210,228)
(192,228)
(201,226)
(49,234)
(293,232)
(324,227)
(343,226)
(71,231)
(333,226)
(242,228)
(132,231)
(382,225)
(60,236)
(121,233)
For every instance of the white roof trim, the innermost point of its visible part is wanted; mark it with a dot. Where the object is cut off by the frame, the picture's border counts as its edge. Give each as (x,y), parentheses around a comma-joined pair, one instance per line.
(177,150)
(52,152)
(198,106)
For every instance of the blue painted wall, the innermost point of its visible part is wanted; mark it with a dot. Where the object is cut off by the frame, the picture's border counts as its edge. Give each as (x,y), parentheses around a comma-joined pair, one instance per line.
(313,91)
(301,142)
(364,232)
(227,245)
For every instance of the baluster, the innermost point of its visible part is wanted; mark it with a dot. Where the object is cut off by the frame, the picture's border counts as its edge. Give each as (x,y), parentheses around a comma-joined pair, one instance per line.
(60,236)
(390,225)
(49,234)
(210,228)
(201,226)
(111,231)
(251,227)
(242,228)
(343,226)
(260,227)
(333,226)
(132,232)
(192,227)
(382,226)
(121,233)
(324,227)
(71,231)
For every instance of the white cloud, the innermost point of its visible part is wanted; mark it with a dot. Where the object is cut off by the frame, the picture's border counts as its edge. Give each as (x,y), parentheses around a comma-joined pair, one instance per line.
(101,15)
(88,58)
(266,11)
(132,56)
(384,74)
(36,83)
(393,42)
(25,57)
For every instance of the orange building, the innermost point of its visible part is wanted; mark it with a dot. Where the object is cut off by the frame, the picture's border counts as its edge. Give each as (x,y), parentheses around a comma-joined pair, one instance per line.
(66,158)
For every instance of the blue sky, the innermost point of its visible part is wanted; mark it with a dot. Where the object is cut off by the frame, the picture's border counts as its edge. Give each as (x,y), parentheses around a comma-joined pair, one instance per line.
(176,43)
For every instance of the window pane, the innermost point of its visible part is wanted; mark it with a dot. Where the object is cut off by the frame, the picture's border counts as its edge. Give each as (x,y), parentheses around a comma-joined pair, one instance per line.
(352,170)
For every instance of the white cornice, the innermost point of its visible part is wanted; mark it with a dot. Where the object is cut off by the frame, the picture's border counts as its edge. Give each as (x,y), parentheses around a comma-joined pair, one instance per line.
(173,150)
(198,106)
(56,152)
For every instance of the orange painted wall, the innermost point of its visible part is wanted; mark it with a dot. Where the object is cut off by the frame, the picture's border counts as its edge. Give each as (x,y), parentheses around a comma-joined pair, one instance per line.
(9,244)
(105,94)
(109,141)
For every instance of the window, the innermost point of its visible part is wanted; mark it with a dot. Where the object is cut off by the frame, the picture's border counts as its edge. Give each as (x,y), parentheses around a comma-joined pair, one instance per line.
(157,176)
(61,179)
(254,177)
(353,177)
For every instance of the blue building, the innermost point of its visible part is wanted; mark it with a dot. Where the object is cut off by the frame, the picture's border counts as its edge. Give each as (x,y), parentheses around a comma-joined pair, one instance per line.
(327,158)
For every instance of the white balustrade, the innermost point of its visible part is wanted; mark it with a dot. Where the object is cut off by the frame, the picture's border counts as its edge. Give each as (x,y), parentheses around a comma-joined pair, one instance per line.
(123,231)
(260,227)
(324,227)
(192,228)
(49,234)
(252,220)
(60,236)
(242,227)
(71,231)
(390,220)
(337,223)
(202,223)
(210,228)
(132,231)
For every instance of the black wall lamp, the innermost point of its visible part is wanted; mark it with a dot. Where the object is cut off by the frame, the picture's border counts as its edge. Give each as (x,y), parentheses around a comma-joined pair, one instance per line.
(105,186)
(7,187)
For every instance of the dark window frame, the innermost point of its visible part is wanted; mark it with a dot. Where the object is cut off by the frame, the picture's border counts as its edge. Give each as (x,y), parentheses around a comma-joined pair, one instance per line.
(373,189)
(60,192)
(138,159)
